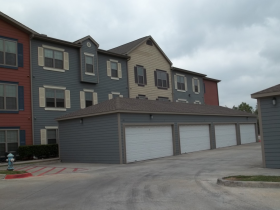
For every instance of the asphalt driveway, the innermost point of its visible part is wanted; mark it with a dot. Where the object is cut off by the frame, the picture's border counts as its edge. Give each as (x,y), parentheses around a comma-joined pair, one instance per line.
(180,182)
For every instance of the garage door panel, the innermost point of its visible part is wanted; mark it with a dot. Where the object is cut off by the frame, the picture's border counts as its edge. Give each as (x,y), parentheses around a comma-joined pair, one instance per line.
(148,142)
(194,138)
(225,135)
(247,133)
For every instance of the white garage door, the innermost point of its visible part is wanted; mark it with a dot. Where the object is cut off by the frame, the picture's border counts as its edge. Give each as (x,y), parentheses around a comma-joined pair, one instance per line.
(194,138)
(148,142)
(225,135)
(248,133)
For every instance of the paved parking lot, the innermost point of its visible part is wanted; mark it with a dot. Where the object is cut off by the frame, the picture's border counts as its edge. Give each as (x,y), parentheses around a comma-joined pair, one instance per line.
(180,182)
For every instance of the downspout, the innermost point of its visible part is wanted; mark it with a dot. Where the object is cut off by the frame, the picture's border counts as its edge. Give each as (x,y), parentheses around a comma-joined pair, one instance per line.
(31,86)
(128,87)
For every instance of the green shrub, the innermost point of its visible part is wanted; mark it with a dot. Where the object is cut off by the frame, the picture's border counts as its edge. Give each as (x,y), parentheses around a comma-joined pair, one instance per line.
(50,150)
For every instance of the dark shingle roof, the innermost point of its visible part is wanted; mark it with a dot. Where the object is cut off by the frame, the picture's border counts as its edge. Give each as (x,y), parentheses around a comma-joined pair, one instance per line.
(215,80)
(187,71)
(130,105)
(125,48)
(266,92)
(85,38)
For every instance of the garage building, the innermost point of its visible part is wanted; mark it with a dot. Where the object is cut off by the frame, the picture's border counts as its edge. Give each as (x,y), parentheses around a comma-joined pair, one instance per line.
(124,130)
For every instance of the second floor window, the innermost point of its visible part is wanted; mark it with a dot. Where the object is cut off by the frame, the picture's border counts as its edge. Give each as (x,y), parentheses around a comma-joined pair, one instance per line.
(89,64)
(196,86)
(53,59)
(8,52)
(140,75)
(114,69)
(55,98)
(8,97)
(161,79)
(180,82)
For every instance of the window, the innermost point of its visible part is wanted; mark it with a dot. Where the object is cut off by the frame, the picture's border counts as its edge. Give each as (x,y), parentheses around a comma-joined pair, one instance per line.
(8,141)
(182,100)
(197,102)
(149,42)
(53,59)
(8,97)
(89,64)
(162,99)
(55,98)
(114,69)
(89,99)
(180,82)
(114,95)
(8,52)
(140,75)
(141,97)
(161,79)
(196,86)
(51,136)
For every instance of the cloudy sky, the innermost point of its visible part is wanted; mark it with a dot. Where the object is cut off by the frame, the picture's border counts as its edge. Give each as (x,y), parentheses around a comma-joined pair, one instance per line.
(236,41)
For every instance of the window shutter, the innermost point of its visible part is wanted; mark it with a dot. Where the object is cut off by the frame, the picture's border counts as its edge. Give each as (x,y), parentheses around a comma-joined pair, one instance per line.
(108,68)
(198,86)
(66,60)
(40,56)
(167,75)
(43,136)
(186,87)
(42,98)
(20,98)
(175,82)
(67,99)
(193,85)
(95,98)
(22,138)
(155,73)
(135,74)
(82,99)
(121,96)
(119,70)
(20,55)
(145,77)
(110,96)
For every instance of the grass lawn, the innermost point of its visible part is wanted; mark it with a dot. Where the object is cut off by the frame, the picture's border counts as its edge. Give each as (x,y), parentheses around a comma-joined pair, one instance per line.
(254,178)
(12,172)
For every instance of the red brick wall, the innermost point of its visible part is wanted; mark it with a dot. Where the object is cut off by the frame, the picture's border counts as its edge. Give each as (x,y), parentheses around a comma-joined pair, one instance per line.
(211,96)
(22,76)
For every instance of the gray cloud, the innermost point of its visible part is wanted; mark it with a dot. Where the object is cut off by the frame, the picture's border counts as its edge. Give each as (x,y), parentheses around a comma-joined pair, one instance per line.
(236,41)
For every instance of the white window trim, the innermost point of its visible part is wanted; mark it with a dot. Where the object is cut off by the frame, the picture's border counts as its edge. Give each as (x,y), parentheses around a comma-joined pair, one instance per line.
(195,78)
(116,93)
(88,54)
(54,87)
(12,129)
(51,127)
(186,83)
(10,110)
(52,48)
(53,69)
(114,60)
(115,78)
(88,90)
(88,73)
(16,51)
(197,102)
(182,100)
(55,109)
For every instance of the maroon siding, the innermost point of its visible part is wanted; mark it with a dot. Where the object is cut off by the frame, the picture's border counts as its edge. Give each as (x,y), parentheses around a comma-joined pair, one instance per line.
(22,119)
(211,96)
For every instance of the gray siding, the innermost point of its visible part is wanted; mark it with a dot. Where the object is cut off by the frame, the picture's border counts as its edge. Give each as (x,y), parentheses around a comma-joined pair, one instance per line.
(271,131)
(71,79)
(94,141)
(189,95)
(176,119)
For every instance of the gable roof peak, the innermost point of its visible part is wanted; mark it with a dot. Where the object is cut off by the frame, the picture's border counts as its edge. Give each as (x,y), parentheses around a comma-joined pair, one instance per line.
(85,38)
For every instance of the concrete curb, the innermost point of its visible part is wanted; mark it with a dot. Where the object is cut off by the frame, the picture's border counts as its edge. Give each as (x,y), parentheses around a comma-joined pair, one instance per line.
(31,162)
(18,176)
(251,184)
(2,176)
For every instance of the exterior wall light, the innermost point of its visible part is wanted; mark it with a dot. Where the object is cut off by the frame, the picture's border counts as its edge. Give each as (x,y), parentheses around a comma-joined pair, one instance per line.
(274,102)
(81,120)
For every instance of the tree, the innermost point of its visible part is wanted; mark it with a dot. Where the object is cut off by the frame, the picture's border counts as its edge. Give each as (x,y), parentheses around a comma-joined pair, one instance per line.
(244,107)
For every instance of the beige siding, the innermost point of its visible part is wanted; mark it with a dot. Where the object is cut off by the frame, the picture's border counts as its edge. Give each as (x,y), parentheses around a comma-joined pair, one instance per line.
(151,58)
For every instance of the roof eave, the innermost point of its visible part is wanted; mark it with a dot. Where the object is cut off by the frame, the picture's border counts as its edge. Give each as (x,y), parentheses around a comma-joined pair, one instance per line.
(147,112)
(113,54)
(187,71)
(58,41)
(262,95)
(85,38)
(211,79)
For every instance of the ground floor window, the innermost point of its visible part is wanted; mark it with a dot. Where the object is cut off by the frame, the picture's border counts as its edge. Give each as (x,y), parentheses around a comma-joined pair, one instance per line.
(8,141)
(51,136)
(163,99)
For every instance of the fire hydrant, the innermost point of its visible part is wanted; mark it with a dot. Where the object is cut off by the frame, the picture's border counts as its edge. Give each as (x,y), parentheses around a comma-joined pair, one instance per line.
(10,162)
